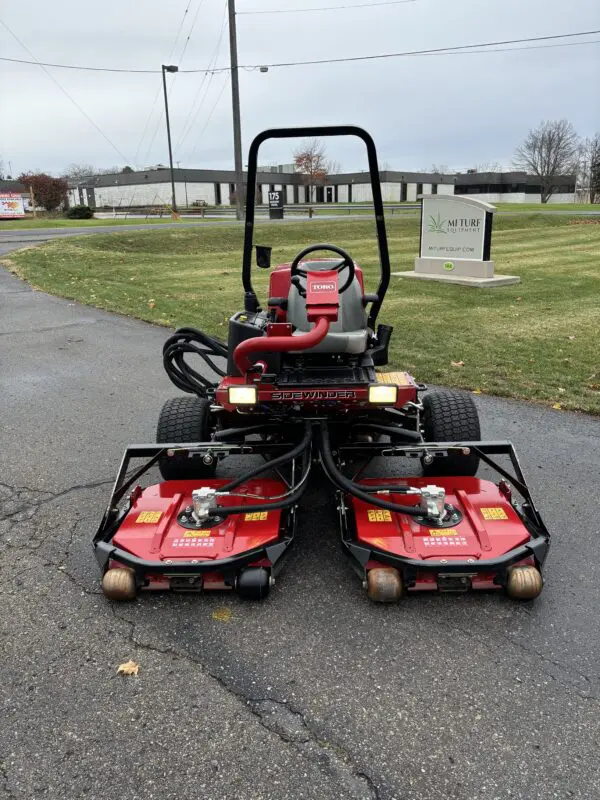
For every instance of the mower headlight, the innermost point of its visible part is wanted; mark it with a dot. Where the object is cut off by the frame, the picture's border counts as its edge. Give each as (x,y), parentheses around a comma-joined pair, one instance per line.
(383,394)
(242,395)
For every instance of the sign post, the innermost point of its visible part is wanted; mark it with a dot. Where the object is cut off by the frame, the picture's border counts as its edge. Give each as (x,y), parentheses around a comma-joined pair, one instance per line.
(276,204)
(455,242)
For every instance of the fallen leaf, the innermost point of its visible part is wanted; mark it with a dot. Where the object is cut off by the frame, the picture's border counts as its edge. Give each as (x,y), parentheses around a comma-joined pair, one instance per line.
(556,406)
(151,303)
(221,615)
(561,390)
(476,391)
(457,363)
(128,668)
(571,338)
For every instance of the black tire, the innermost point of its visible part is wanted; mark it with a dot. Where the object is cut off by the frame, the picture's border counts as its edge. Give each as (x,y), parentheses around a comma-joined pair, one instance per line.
(451,417)
(184,419)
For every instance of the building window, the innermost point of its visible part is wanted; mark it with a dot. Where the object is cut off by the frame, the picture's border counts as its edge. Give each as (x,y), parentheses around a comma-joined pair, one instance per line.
(403,192)
(217,194)
(419,189)
(434,188)
(296,195)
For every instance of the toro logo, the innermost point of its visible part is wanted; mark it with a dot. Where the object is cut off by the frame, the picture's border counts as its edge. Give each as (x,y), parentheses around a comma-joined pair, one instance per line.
(322,287)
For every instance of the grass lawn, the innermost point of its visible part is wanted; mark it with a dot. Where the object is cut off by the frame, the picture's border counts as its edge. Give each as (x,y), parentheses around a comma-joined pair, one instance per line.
(537,341)
(57,222)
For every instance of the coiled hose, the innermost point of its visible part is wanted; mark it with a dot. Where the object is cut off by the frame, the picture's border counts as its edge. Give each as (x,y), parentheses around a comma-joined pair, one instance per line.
(190,340)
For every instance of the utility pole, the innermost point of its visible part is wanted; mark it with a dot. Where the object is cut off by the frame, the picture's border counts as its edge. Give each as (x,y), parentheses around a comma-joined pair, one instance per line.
(237,125)
(165,69)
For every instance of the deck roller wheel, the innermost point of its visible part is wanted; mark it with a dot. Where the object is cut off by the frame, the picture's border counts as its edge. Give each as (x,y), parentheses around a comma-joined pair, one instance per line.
(524,583)
(253,583)
(384,585)
(118,583)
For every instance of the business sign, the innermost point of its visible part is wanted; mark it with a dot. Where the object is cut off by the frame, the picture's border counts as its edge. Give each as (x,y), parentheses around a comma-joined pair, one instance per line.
(11,206)
(455,228)
(276,204)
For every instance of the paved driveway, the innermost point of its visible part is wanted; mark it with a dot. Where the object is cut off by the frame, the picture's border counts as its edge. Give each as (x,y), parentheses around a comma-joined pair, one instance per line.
(316,693)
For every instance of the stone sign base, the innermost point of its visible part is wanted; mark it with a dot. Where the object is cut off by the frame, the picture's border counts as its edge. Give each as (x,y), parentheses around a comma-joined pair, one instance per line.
(466,272)
(462,280)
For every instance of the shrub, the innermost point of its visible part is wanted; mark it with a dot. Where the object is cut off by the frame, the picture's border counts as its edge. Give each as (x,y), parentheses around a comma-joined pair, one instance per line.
(79,212)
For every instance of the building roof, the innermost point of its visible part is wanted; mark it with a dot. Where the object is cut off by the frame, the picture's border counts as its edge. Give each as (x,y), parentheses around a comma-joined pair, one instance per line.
(13,186)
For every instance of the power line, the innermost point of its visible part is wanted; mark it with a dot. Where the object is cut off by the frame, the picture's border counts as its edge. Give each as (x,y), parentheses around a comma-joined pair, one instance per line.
(64,91)
(430,51)
(189,36)
(199,100)
(208,119)
(327,8)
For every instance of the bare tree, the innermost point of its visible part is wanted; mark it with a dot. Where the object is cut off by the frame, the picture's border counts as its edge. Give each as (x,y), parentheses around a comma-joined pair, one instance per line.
(489,166)
(311,162)
(588,174)
(438,169)
(78,171)
(550,150)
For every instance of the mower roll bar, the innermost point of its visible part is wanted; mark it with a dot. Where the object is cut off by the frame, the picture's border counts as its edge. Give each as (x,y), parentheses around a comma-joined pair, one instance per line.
(251,303)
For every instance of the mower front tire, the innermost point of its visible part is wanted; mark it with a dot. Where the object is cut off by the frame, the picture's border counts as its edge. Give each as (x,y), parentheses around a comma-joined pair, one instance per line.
(450,417)
(184,419)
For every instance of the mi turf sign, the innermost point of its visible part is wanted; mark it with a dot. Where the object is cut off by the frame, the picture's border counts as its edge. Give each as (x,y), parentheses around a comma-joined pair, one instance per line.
(455,227)
(456,242)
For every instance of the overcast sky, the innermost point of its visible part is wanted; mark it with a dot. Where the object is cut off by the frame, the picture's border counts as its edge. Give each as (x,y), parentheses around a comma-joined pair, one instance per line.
(456,110)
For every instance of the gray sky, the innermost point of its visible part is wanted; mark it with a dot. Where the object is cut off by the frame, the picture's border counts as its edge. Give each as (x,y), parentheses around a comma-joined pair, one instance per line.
(458,110)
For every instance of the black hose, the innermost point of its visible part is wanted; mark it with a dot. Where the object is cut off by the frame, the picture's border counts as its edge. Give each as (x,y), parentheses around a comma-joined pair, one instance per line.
(276,462)
(354,489)
(225,511)
(190,340)
(231,433)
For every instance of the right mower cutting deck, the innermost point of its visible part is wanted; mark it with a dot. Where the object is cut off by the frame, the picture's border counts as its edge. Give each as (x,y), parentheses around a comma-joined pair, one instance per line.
(300,384)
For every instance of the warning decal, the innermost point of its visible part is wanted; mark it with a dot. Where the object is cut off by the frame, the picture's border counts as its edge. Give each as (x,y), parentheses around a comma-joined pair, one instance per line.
(379,515)
(493,513)
(196,534)
(443,532)
(256,516)
(149,516)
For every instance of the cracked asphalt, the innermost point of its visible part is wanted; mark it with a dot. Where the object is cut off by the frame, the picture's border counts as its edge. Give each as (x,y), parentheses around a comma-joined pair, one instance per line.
(315,693)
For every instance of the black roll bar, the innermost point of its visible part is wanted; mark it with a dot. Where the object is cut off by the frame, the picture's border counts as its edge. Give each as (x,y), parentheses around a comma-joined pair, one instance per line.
(251,301)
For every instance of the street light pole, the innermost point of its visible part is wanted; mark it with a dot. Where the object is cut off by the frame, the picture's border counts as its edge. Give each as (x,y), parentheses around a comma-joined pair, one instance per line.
(237,125)
(165,69)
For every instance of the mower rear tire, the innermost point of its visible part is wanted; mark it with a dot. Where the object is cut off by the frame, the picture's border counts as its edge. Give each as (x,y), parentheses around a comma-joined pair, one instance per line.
(253,583)
(184,419)
(450,417)
(118,583)
(524,583)
(384,585)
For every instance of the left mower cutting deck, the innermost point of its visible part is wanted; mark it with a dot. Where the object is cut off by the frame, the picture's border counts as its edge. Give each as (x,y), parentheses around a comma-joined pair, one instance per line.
(300,385)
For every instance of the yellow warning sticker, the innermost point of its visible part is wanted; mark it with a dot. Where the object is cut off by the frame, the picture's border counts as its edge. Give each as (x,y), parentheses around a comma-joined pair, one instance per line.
(493,513)
(149,516)
(379,515)
(196,534)
(256,516)
(443,532)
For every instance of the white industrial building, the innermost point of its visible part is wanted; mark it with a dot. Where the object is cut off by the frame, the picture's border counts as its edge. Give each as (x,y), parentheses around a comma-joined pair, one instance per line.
(194,187)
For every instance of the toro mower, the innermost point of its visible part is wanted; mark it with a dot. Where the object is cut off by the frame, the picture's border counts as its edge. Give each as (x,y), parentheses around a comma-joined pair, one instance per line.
(299,384)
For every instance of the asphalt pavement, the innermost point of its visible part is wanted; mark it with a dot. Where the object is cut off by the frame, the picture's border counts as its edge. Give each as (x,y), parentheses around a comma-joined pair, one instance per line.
(314,693)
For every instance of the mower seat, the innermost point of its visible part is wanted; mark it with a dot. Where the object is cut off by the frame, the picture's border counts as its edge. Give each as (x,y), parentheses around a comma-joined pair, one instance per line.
(349,333)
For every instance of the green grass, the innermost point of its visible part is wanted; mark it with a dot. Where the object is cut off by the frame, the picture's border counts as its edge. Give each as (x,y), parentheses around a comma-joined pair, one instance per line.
(57,222)
(535,341)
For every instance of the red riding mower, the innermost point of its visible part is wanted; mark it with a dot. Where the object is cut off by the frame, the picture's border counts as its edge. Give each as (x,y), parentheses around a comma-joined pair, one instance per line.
(298,384)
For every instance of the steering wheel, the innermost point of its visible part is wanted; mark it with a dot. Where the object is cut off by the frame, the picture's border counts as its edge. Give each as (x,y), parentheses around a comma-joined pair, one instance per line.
(296,271)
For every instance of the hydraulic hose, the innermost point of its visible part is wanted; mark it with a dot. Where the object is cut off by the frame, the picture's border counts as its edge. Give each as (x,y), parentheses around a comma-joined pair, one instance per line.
(190,340)
(400,433)
(352,488)
(276,462)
